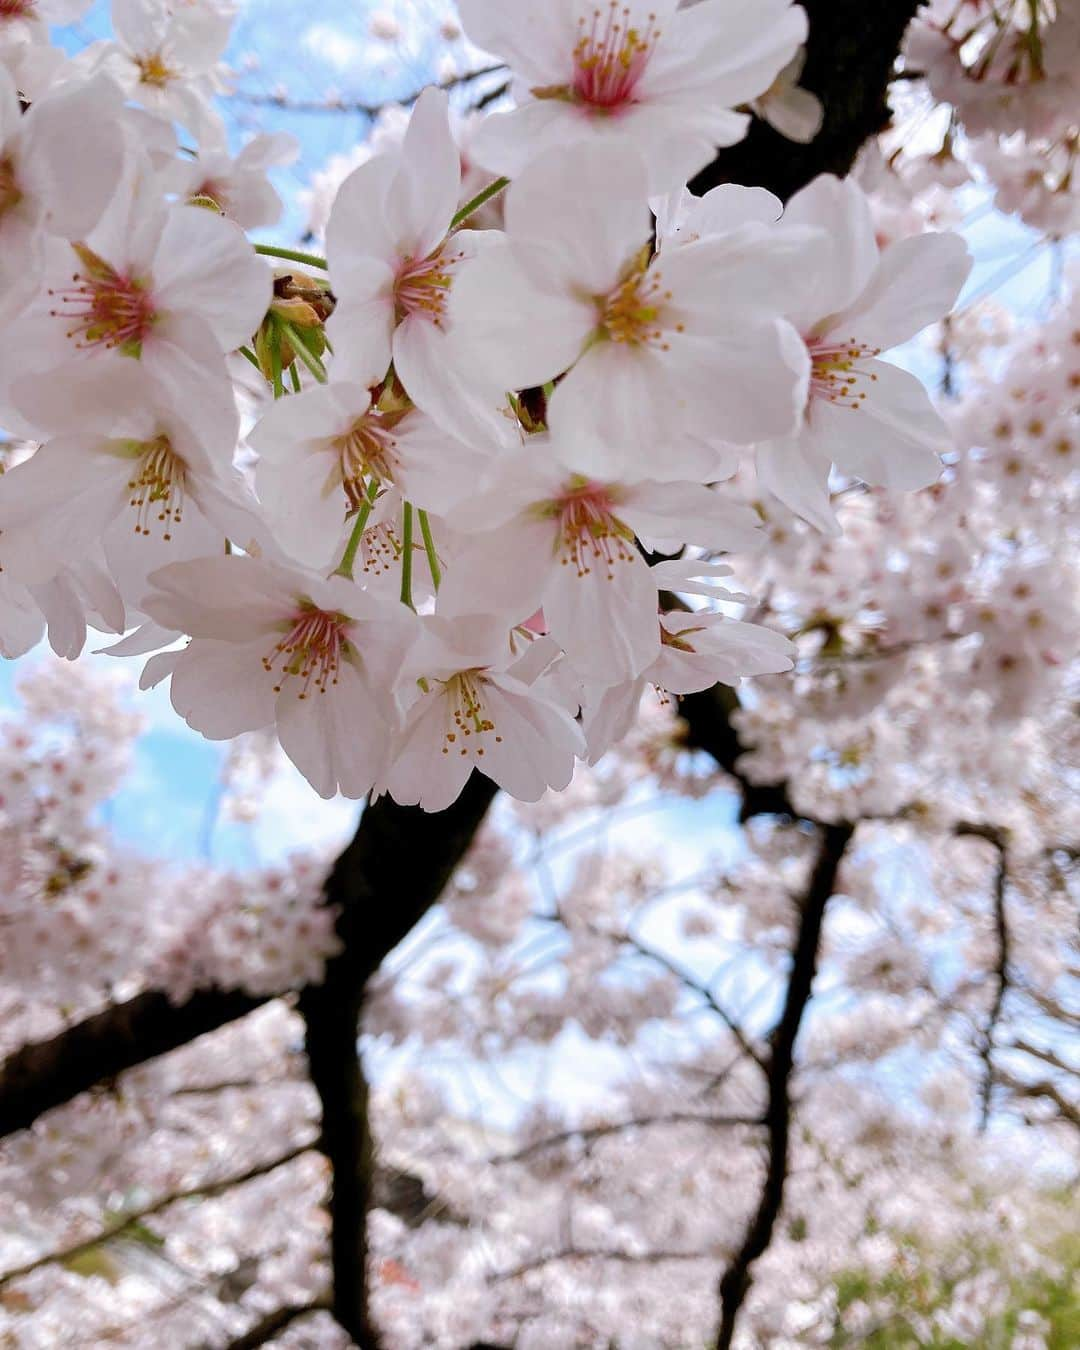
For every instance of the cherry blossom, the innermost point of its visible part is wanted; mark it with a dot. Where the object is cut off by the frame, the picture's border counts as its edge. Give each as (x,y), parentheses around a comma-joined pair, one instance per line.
(134,479)
(661,79)
(60,164)
(685,344)
(327,453)
(565,541)
(473,712)
(277,646)
(394,263)
(172,288)
(864,301)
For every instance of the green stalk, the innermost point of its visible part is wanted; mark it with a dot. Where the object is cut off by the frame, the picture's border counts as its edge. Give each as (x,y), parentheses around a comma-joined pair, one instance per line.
(429,549)
(291,255)
(275,359)
(348,558)
(406,554)
(478,201)
(304,352)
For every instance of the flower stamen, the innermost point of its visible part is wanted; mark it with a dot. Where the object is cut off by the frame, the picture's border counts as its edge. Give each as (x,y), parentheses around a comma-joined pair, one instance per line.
(590,534)
(633,312)
(109,308)
(467,713)
(834,373)
(158,487)
(310,652)
(422,286)
(367,450)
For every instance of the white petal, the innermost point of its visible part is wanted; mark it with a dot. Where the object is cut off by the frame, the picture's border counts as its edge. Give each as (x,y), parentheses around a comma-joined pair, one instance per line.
(916,283)
(605,618)
(220,688)
(892,440)
(206,266)
(794,471)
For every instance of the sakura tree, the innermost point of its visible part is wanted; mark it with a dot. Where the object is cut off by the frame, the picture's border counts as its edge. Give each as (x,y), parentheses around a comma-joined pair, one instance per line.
(580,488)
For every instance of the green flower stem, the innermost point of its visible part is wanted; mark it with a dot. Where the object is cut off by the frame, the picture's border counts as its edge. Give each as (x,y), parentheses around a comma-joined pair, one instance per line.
(303,351)
(292,255)
(478,201)
(429,549)
(406,554)
(275,359)
(348,558)
(249,355)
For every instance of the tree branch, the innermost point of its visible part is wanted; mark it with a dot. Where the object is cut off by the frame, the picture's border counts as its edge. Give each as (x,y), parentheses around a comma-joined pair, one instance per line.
(204,1191)
(850,56)
(386,880)
(587,1134)
(999,841)
(736,1280)
(384,883)
(45,1074)
(305,105)
(272,1324)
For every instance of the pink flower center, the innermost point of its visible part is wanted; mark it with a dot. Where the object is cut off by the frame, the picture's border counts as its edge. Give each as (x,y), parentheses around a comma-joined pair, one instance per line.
(467,717)
(590,534)
(16,9)
(158,487)
(422,286)
(834,371)
(107,308)
(310,652)
(611,56)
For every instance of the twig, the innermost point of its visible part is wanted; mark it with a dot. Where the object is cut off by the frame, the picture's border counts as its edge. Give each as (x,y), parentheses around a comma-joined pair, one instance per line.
(204,1191)
(273,1323)
(336,105)
(590,1133)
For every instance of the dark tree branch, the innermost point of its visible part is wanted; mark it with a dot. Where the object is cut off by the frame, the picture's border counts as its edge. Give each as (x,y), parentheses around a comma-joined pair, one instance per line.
(646,1258)
(736,1280)
(588,1134)
(998,840)
(850,56)
(255,99)
(204,1191)
(384,883)
(410,856)
(273,1324)
(45,1074)
(1044,1088)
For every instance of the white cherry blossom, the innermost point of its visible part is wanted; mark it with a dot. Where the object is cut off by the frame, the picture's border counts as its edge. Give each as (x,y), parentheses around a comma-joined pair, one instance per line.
(630,73)
(394,264)
(325,453)
(687,343)
(273,646)
(868,417)
(473,712)
(558,539)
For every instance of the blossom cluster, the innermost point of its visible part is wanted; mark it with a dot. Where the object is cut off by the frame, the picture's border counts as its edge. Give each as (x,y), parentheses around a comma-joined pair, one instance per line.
(86,919)
(1007,74)
(486,507)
